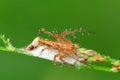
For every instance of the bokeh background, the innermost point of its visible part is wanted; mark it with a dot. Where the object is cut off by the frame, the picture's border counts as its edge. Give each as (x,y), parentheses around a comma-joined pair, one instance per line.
(20,20)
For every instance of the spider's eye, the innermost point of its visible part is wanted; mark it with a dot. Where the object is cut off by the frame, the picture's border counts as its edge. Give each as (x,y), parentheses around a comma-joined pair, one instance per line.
(73,46)
(76,46)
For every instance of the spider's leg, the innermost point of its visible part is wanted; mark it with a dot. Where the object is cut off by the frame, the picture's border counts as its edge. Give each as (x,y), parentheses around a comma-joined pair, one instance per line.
(49,33)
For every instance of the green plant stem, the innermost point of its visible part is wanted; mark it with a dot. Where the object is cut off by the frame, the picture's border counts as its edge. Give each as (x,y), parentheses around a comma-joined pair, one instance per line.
(3,49)
(8,47)
(101,68)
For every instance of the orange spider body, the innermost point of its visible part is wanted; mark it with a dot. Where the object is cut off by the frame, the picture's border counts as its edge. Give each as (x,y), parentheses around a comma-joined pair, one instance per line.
(64,46)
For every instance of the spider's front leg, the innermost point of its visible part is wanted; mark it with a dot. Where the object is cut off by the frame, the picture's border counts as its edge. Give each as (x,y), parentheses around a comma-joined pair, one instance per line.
(61,57)
(34,44)
(55,35)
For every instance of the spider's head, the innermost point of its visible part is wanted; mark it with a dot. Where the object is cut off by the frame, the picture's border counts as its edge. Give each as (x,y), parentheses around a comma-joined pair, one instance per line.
(76,46)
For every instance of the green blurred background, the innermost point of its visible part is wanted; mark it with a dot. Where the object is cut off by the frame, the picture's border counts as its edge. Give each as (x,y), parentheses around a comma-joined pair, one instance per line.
(20,20)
